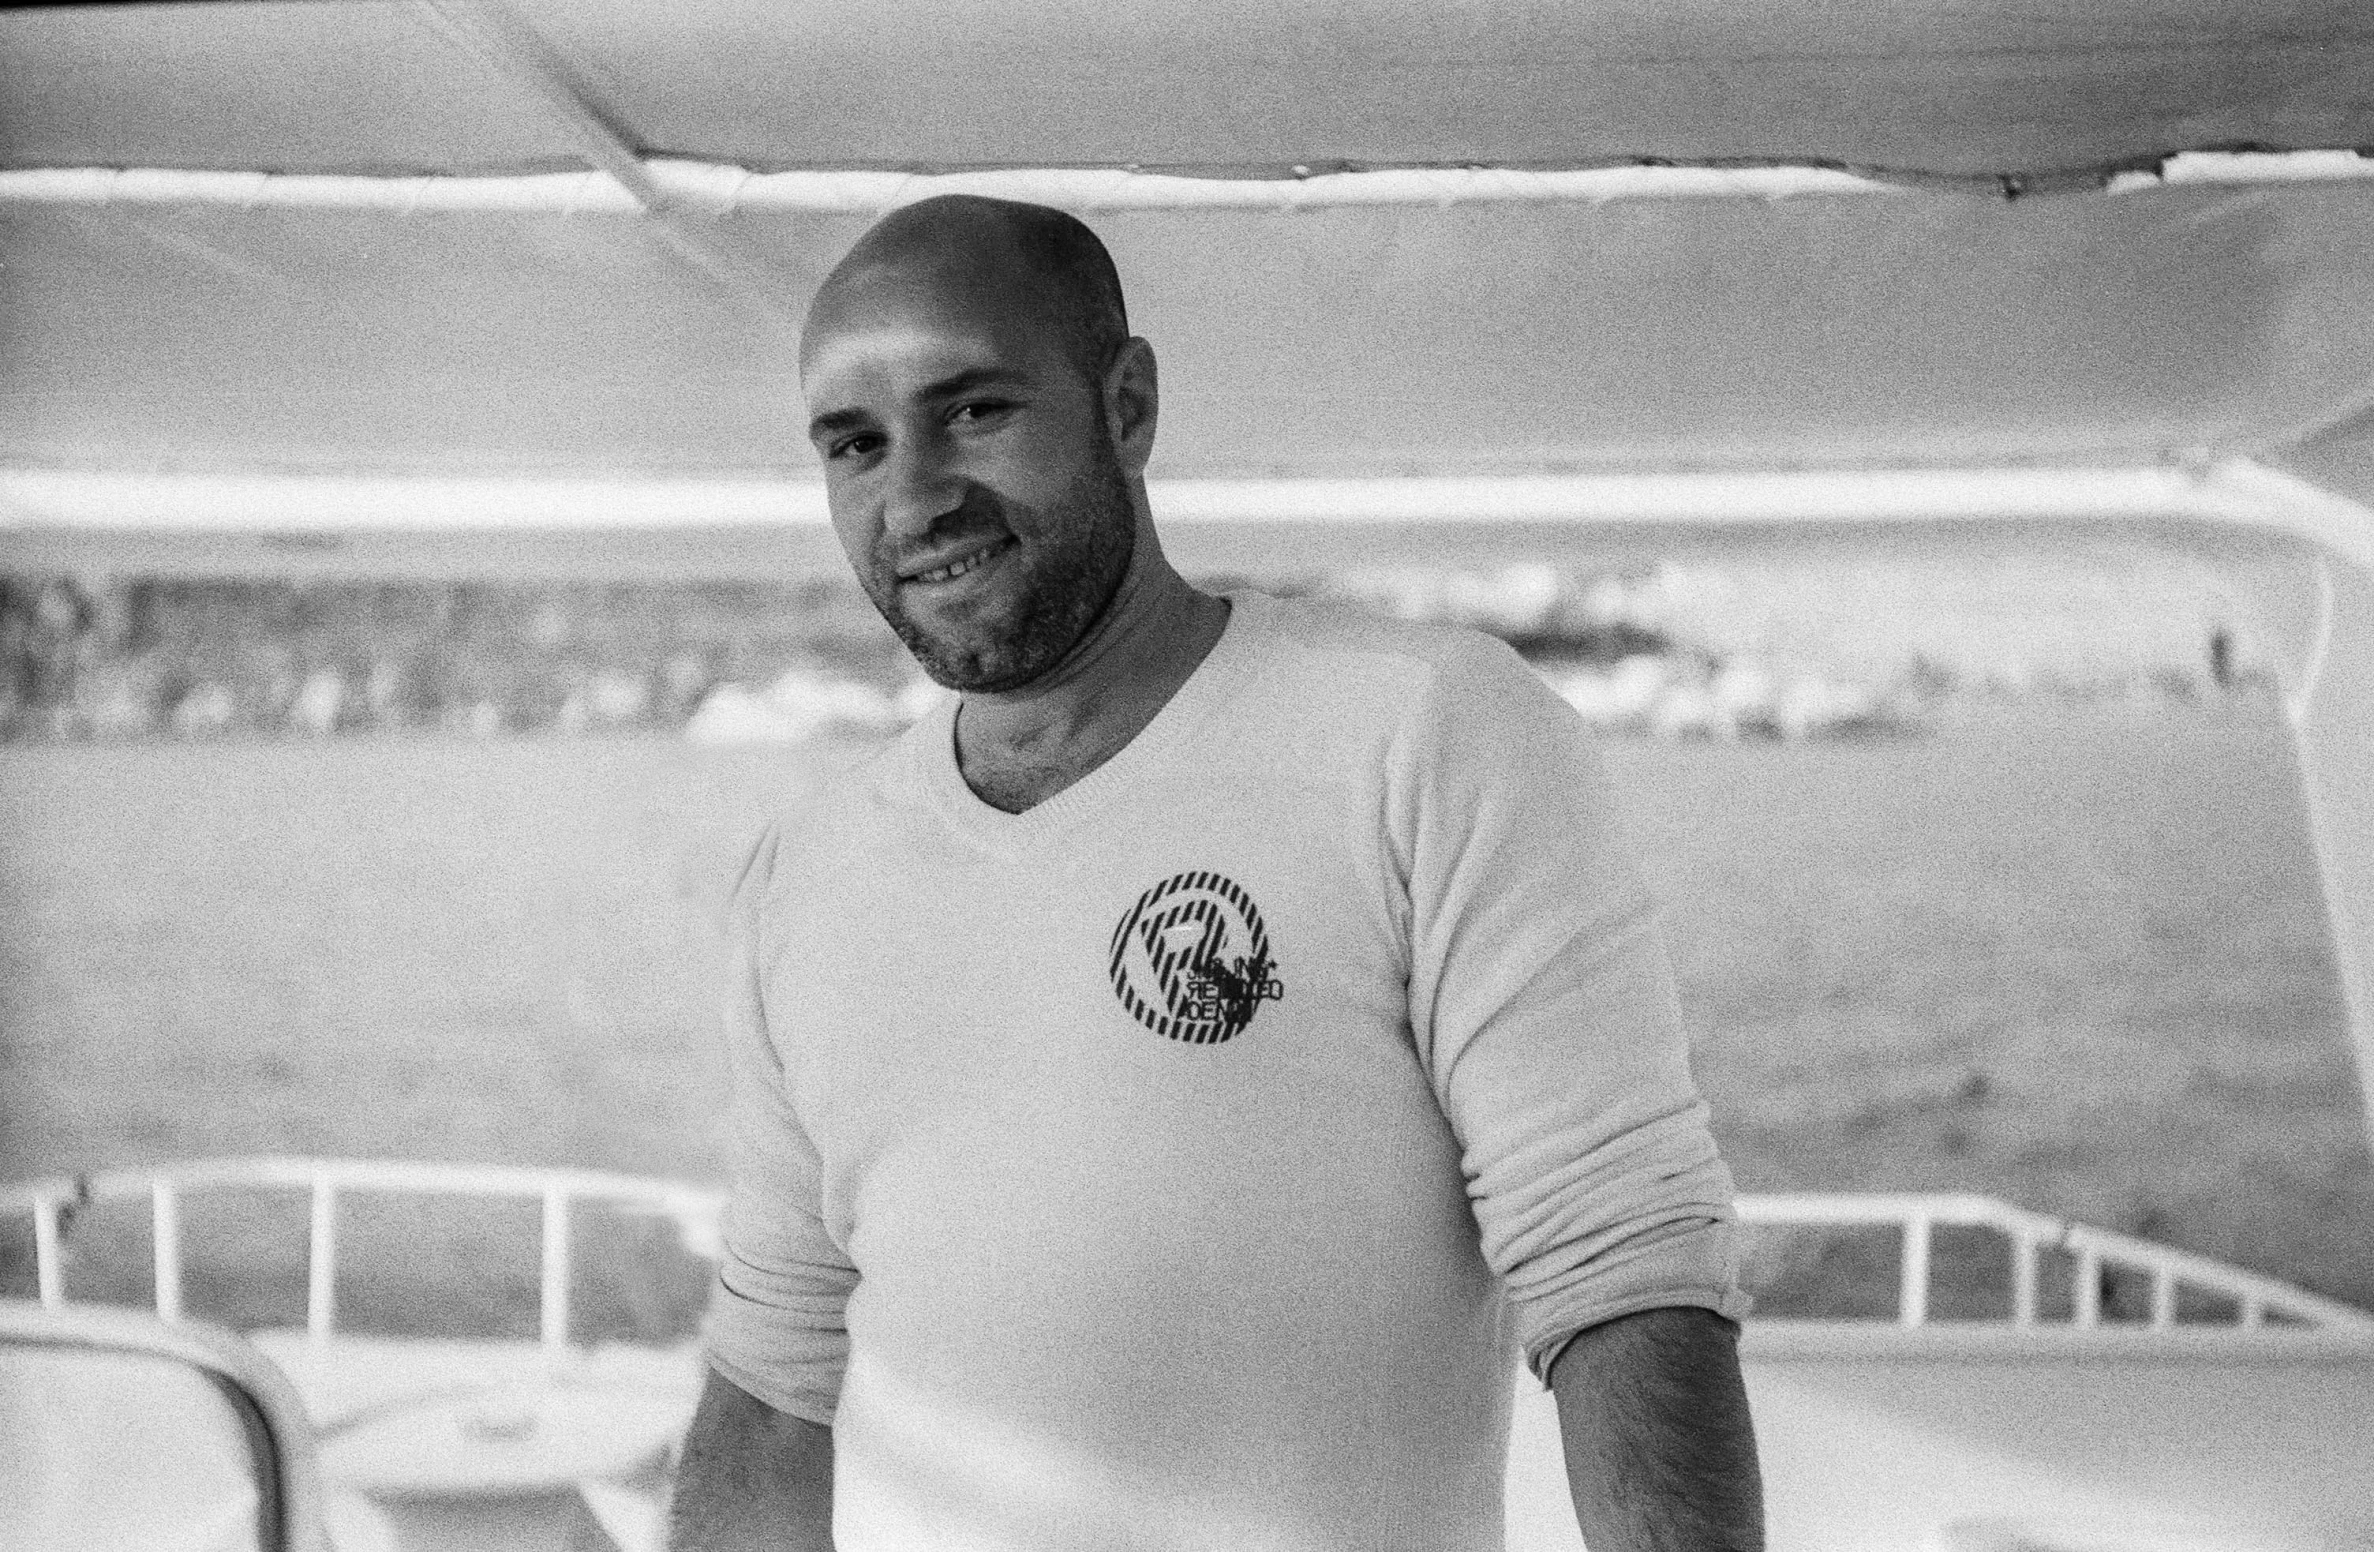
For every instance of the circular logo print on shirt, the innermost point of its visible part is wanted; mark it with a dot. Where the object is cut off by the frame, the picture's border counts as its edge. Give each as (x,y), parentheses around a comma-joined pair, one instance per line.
(1190,960)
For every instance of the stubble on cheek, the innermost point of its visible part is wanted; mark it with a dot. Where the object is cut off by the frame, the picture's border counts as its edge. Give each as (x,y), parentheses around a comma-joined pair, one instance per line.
(957,659)
(1075,571)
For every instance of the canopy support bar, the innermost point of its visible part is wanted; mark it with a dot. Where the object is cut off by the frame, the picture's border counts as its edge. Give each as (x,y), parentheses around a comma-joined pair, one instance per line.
(516,51)
(674,189)
(2335,733)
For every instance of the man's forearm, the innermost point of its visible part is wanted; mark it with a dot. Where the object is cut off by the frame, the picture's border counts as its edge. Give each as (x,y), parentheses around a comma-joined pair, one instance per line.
(751,1477)
(1660,1455)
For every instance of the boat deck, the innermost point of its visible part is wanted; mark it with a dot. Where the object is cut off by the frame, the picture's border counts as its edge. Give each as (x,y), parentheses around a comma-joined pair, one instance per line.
(2224,1410)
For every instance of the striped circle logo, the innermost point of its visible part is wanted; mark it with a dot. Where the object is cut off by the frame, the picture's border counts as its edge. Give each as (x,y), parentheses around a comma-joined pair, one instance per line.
(1191,960)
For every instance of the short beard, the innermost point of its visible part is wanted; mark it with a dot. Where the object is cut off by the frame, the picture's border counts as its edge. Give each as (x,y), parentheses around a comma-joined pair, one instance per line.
(1070,595)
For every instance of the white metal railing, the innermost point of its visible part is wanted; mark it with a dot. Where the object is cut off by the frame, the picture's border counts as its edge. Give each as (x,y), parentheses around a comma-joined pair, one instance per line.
(1917,1216)
(695,1210)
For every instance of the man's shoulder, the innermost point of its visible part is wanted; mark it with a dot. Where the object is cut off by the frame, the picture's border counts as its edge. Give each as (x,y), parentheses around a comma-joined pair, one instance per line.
(835,804)
(1340,646)
(1343,625)
(1437,699)
(846,778)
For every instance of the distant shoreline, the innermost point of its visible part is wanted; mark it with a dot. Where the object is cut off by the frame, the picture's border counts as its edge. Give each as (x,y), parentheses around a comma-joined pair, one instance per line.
(1652,654)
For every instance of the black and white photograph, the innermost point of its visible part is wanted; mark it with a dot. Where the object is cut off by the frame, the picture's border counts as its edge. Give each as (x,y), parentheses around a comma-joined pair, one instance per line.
(1092,776)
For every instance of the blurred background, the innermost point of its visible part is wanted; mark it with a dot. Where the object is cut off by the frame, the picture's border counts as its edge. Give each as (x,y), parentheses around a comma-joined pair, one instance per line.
(1930,442)
(1985,866)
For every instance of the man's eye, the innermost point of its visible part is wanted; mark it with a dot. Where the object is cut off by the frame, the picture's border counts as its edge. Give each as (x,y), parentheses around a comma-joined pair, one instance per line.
(977,410)
(853,446)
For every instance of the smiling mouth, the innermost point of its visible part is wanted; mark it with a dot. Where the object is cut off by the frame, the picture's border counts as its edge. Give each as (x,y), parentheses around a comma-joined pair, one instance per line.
(964,563)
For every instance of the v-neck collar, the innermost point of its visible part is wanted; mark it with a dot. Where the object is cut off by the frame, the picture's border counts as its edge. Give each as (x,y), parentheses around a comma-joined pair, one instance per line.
(1214,681)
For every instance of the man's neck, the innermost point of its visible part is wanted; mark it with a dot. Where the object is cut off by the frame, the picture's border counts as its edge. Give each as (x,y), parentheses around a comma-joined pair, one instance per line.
(1020,747)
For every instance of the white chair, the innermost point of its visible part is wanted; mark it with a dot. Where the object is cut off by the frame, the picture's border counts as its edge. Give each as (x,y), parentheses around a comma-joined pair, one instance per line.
(119,1430)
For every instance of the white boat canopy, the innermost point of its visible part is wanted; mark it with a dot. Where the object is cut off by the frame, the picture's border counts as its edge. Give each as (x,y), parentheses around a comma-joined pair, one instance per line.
(1441,274)
(1794,245)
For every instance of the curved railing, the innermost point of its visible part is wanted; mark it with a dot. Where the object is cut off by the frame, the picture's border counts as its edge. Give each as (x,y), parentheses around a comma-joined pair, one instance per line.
(694,1210)
(1916,1216)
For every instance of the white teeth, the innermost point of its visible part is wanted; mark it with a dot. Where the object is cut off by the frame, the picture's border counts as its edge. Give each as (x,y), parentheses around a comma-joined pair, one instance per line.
(957,568)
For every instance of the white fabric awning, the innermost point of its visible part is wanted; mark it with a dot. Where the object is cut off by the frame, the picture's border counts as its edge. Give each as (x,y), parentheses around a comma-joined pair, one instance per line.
(1934,88)
(370,240)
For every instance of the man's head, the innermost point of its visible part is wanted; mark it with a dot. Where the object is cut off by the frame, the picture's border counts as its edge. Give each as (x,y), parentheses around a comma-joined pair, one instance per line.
(984,419)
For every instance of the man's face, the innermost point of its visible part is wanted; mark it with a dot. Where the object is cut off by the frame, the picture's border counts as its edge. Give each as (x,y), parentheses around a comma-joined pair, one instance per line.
(970,473)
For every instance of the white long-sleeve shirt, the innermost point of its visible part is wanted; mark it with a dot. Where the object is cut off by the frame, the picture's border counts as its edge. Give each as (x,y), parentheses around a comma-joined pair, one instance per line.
(1179,1162)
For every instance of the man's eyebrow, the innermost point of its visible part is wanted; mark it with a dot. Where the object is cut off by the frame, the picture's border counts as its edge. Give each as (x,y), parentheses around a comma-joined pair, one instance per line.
(968,380)
(833,422)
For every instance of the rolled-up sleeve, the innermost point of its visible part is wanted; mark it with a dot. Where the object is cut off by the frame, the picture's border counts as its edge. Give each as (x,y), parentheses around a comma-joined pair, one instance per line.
(775,1324)
(1543,1006)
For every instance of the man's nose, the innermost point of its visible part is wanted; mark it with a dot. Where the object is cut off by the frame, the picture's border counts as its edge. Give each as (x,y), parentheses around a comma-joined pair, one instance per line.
(920,485)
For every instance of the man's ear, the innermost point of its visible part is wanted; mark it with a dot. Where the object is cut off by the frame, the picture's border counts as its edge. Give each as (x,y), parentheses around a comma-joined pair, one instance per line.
(1132,403)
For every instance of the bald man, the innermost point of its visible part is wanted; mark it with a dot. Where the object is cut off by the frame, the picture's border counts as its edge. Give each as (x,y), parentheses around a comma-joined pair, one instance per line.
(1178,1080)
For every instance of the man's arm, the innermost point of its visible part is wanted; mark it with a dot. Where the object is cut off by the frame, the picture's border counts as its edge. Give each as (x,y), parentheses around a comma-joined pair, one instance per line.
(751,1477)
(1660,1456)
